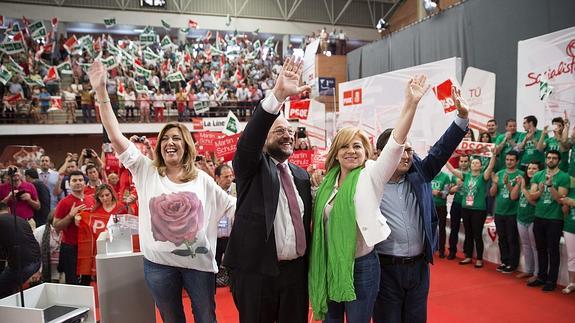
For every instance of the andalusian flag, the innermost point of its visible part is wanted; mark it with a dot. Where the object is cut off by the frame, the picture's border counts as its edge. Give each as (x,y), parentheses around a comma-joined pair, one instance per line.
(166,25)
(5,75)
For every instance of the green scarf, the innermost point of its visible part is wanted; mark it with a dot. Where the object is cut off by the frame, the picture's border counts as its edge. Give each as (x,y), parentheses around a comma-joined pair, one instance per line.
(332,261)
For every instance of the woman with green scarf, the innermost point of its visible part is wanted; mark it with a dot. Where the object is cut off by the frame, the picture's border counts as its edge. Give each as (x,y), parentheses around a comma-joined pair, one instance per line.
(344,269)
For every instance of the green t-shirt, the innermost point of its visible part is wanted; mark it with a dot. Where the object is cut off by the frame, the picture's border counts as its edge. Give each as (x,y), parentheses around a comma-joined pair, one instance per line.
(457,196)
(507,148)
(552,143)
(441,182)
(530,151)
(572,162)
(547,207)
(569,224)
(473,192)
(525,210)
(504,205)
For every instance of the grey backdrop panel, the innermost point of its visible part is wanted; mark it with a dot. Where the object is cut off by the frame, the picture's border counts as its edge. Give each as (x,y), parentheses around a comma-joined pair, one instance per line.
(484,33)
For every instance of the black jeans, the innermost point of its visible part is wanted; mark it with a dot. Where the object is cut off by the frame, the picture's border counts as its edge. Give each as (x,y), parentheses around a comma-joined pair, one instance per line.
(508,239)
(442,215)
(473,221)
(547,235)
(68,262)
(403,291)
(455,223)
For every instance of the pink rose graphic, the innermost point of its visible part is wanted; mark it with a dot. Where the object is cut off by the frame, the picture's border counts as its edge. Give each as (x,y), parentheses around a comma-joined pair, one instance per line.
(176,217)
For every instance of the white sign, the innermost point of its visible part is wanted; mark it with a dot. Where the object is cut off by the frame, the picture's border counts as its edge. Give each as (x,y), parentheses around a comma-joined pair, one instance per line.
(309,62)
(478,89)
(546,61)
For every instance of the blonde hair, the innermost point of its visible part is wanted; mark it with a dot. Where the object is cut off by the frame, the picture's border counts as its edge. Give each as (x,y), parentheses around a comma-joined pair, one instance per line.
(190,170)
(344,137)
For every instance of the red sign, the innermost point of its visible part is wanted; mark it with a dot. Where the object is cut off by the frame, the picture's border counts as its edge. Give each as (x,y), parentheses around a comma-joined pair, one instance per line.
(352,97)
(476,148)
(89,228)
(198,123)
(299,109)
(319,158)
(226,147)
(302,158)
(205,140)
(443,94)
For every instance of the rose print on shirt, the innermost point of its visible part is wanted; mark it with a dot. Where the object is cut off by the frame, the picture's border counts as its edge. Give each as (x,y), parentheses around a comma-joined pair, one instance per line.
(177,218)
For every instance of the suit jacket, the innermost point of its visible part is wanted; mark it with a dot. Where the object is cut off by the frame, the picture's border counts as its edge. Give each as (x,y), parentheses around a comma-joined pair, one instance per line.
(251,246)
(420,175)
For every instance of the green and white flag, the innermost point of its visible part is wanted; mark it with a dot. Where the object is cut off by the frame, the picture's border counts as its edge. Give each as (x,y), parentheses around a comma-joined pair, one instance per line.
(13,66)
(201,106)
(175,77)
(109,62)
(232,125)
(65,68)
(44,63)
(166,42)
(544,89)
(185,30)
(142,71)
(147,39)
(85,67)
(39,34)
(110,22)
(36,27)
(84,41)
(149,55)
(113,50)
(140,87)
(166,25)
(15,28)
(33,82)
(148,30)
(5,75)
(11,48)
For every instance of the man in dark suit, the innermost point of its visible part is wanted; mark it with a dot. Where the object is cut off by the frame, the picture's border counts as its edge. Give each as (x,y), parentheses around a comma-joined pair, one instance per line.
(268,246)
(40,216)
(408,206)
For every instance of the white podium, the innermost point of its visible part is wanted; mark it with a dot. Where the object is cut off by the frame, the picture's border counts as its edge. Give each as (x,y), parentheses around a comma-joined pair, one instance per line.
(122,290)
(39,298)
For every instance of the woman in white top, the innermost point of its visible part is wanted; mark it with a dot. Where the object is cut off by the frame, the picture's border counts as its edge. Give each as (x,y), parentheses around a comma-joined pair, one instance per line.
(180,207)
(130,103)
(347,223)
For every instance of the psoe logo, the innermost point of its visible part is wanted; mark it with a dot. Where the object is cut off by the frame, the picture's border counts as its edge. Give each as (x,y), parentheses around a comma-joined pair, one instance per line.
(352,97)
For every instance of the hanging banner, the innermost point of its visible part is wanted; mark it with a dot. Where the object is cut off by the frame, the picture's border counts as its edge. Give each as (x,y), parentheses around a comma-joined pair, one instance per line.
(299,109)
(478,89)
(546,76)
(309,73)
(475,148)
(226,147)
(302,158)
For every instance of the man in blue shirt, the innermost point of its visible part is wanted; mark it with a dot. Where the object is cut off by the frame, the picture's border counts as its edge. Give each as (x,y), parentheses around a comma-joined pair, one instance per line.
(44,98)
(408,206)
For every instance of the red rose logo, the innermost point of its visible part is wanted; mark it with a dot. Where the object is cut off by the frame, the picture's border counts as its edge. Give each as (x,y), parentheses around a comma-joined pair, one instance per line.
(176,217)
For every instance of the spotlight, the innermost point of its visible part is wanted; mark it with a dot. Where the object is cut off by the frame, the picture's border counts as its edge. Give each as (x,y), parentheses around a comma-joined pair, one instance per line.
(430,6)
(382,25)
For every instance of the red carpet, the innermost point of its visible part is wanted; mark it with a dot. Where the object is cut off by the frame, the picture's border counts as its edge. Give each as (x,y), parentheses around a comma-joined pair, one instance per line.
(462,294)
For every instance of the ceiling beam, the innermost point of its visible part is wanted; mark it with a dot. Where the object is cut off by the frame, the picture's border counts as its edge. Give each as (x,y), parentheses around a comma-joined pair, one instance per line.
(342,11)
(294,7)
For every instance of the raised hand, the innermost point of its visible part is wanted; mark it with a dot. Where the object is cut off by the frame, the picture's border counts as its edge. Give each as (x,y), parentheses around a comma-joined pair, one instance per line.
(460,103)
(288,81)
(416,88)
(98,75)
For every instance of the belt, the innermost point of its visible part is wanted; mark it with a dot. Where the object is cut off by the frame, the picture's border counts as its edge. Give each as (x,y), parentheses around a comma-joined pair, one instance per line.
(394,260)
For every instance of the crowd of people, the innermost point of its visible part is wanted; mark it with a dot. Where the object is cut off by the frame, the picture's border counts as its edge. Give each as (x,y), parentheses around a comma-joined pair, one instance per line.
(374,211)
(229,71)
(526,186)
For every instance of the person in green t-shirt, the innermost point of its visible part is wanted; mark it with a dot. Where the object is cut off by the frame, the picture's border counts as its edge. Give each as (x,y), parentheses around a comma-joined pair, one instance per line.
(473,212)
(525,217)
(528,142)
(569,235)
(492,129)
(556,142)
(440,187)
(506,142)
(568,142)
(455,211)
(548,187)
(506,213)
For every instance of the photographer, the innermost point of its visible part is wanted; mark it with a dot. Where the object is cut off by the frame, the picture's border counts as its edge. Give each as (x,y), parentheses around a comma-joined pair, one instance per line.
(301,139)
(26,196)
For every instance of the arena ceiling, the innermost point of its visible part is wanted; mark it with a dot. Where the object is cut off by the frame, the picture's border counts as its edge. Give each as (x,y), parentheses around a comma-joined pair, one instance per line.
(332,13)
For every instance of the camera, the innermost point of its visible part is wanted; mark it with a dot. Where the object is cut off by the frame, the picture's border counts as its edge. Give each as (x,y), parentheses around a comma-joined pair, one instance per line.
(141,139)
(20,193)
(301,132)
(88,153)
(199,158)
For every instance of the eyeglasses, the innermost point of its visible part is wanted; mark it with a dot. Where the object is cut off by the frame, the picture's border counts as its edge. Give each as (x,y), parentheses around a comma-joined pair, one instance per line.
(409,151)
(280,131)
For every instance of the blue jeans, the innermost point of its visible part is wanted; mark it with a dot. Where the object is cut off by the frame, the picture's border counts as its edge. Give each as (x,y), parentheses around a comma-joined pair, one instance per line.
(366,284)
(9,277)
(166,283)
(403,293)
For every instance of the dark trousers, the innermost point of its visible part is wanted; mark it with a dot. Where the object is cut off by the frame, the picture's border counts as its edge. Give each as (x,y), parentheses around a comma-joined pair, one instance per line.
(547,235)
(403,291)
(267,299)
(442,215)
(508,239)
(455,223)
(473,221)
(220,249)
(68,262)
